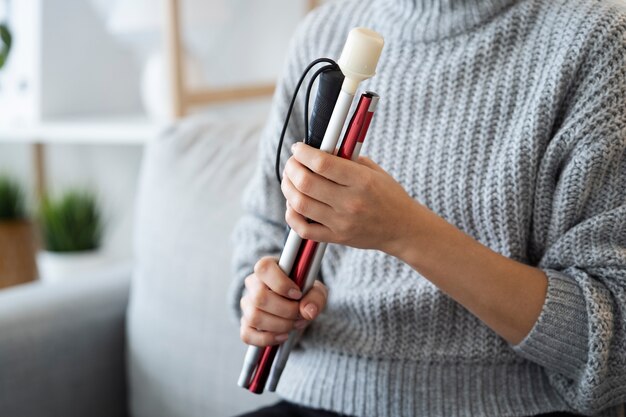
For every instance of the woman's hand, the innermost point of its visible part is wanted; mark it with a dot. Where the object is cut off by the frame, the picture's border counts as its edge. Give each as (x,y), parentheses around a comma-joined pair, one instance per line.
(355,204)
(273,305)
(360,205)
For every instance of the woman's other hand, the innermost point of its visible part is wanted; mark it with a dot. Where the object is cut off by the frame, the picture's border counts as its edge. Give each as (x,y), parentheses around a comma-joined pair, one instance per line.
(273,305)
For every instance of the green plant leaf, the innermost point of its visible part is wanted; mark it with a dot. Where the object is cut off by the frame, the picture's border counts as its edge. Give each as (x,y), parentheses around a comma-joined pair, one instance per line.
(11,199)
(71,223)
(5,43)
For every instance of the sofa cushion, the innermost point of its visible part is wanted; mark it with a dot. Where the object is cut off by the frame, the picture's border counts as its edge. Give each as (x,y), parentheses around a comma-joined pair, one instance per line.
(184,351)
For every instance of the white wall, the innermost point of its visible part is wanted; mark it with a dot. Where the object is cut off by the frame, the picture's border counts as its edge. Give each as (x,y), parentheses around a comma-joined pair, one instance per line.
(85,70)
(79,82)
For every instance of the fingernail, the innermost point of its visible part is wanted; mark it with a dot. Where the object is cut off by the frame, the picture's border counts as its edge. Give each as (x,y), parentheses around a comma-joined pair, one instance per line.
(300,324)
(311,310)
(293,147)
(282,337)
(295,294)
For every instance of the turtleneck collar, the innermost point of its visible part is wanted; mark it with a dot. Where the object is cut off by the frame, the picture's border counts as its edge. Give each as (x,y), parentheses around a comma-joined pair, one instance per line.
(429,20)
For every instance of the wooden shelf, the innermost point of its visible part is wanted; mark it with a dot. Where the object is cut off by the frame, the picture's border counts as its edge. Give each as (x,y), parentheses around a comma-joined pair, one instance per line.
(111,130)
(123,130)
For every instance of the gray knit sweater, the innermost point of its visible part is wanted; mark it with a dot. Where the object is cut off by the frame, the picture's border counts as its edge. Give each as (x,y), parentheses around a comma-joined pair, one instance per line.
(508,119)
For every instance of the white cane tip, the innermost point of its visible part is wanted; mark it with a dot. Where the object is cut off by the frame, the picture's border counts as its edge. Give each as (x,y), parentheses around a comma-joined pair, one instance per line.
(243,381)
(271,387)
(360,54)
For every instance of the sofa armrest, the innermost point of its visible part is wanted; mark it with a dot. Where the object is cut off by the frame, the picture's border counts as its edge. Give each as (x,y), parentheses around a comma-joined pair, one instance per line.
(62,349)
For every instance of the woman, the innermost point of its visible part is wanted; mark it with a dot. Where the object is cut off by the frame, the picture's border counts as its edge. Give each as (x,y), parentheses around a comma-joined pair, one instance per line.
(480,264)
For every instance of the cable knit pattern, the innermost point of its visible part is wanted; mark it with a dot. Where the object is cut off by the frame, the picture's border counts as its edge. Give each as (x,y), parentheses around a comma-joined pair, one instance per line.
(508,119)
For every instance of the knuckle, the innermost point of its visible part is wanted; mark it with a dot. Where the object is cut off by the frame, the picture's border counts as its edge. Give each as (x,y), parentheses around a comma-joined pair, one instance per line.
(321,164)
(297,226)
(303,182)
(305,233)
(292,221)
(254,318)
(317,294)
(299,204)
(290,165)
(283,286)
(263,265)
(322,287)
(244,331)
(243,335)
(249,281)
(354,206)
(259,266)
(260,298)
(343,228)
(245,313)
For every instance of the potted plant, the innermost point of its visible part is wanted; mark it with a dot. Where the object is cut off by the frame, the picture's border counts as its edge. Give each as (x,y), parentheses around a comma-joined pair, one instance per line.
(17,241)
(5,43)
(71,231)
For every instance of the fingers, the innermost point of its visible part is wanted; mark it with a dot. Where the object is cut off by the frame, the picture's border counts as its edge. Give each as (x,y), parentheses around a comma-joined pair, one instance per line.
(259,297)
(314,301)
(329,166)
(252,336)
(304,229)
(268,271)
(271,291)
(311,184)
(261,320)
(267,316)
(304,204)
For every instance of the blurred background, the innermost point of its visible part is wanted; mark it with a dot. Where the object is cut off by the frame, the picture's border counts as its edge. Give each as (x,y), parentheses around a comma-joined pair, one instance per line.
(85,84)
(128,130)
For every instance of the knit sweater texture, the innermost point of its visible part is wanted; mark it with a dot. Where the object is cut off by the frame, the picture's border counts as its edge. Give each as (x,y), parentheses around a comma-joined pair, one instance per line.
(508,119)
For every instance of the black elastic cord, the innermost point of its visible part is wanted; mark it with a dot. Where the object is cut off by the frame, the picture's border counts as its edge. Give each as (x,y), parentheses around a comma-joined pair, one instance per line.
(293,100)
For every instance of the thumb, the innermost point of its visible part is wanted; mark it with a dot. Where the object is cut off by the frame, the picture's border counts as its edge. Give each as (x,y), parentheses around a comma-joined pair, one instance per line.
(314,301)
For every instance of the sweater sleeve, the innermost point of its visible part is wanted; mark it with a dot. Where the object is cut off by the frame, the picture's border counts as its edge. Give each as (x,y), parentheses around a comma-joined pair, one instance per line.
(579,237)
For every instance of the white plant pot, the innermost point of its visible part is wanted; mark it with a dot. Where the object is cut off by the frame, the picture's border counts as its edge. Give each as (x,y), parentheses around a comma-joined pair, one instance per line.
(67,266)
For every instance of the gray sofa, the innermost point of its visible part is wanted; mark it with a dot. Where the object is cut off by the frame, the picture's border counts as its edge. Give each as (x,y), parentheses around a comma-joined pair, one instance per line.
(169,346)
